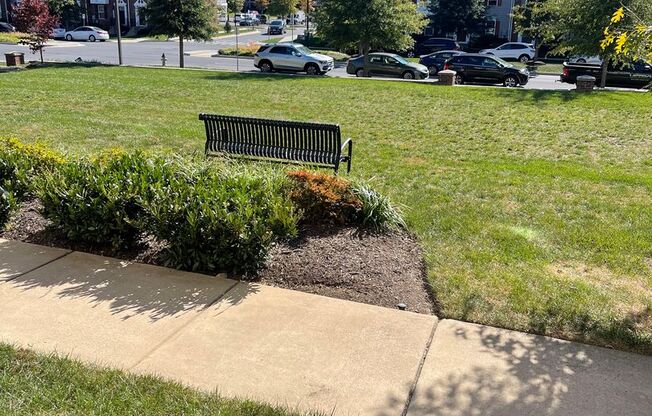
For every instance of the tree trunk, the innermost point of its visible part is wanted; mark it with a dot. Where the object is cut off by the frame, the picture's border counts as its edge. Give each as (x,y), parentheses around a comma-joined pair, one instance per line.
(41,52)
(181,62)
(364,49)
(604,69)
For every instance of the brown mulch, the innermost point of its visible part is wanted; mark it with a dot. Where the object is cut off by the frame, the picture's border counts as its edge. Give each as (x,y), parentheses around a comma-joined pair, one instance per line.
(379,269)
(346,263)
(29,226)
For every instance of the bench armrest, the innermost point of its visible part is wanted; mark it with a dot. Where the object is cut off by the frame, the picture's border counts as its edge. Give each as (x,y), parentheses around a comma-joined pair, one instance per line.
(348,143)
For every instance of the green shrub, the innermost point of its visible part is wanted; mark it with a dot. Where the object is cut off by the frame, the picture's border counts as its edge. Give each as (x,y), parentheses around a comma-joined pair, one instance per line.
(20,163)
(377,210)
(7,205)
(99,201)
(220,219)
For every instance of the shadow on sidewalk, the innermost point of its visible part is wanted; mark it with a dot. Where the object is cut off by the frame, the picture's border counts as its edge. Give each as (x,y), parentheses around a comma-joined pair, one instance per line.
(486,371)
(130,289)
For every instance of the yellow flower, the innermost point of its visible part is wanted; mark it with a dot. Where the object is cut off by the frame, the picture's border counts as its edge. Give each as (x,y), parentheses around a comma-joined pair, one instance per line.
(618,15)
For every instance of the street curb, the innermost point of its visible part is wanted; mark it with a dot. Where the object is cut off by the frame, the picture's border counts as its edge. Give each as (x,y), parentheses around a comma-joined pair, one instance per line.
(217,55)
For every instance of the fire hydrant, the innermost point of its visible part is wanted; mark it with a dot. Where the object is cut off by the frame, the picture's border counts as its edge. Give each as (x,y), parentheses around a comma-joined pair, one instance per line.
(163,59)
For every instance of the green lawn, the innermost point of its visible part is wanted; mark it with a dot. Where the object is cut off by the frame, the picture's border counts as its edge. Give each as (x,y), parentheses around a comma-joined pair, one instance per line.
(34,384)
(533,208)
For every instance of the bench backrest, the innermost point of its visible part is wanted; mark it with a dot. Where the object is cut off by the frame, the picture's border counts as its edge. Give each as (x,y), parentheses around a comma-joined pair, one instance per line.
(276,139)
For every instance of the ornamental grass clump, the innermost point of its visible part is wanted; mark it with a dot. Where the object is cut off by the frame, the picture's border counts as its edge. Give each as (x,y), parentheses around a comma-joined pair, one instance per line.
(377,209)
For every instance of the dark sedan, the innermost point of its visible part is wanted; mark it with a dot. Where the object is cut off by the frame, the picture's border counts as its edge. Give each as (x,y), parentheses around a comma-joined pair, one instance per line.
(473,67)
(435,61)
(387,65)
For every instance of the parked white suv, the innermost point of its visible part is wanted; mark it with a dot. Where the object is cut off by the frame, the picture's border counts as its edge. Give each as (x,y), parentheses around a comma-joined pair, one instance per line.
(522,52)
(292,57)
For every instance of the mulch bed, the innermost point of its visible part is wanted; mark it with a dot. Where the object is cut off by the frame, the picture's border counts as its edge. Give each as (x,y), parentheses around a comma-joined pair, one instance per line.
(340,262)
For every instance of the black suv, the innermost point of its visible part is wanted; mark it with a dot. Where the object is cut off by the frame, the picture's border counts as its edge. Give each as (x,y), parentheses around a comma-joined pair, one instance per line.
(435,45)
(487,69)
(435,61)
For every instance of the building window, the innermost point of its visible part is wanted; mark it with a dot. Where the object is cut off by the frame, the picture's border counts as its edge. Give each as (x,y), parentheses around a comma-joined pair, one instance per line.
(494,2)
(492,25)
(101,12)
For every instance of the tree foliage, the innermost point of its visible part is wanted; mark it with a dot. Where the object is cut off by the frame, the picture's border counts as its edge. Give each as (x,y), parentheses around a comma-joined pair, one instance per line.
(261,5)
(535,21)
(453,16)
(281,7)
(578,25)
(234,6)
(369,24)
(33,17)
(629,35)
(187,19)
(69,11)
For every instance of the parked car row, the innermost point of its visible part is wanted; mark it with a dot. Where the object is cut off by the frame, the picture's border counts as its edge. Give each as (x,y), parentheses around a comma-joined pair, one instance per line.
(469,67)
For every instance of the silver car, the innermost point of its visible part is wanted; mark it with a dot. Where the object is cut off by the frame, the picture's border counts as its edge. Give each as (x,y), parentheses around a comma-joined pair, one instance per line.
(292,57)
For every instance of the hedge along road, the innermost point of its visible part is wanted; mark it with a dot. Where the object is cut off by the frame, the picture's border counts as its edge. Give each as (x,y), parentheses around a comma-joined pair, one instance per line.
(198,55)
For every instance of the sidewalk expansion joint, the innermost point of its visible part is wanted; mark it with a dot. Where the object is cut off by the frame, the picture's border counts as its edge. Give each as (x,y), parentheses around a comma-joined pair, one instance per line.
(38,267)
(413,387)
(175,333)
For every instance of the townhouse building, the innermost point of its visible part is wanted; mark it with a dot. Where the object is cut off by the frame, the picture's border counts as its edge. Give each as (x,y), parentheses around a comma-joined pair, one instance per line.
(5,6)
(500,21)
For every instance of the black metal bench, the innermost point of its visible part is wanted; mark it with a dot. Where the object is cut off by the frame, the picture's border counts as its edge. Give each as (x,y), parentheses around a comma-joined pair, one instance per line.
(277,140)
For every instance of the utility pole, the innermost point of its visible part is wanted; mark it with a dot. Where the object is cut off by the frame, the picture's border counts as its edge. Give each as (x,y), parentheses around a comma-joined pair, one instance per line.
(117,19)
(237,46)
(307,34)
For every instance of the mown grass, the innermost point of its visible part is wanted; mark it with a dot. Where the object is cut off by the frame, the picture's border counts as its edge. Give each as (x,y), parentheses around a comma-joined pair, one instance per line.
(533,207)
(36,384)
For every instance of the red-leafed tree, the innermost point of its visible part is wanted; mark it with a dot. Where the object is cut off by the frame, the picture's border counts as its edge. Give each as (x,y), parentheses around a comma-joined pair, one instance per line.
(33,18)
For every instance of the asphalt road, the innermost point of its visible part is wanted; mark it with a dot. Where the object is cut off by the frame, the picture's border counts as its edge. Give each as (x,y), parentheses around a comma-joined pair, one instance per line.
(197,55)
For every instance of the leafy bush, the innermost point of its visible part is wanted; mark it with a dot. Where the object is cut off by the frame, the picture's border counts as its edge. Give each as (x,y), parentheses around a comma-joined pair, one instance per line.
(324,198)
(211,219)
(20,163)
(99,201)
(377,209)
(220,219)
(6,207)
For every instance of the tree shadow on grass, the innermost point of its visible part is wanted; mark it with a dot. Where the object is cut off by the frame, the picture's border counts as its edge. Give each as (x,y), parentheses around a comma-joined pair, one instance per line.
(258,76)
(478,370)
(537,96)
(129,289)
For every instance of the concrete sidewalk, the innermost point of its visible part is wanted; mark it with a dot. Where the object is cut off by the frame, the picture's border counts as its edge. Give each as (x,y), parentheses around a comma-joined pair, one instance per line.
(301,350)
